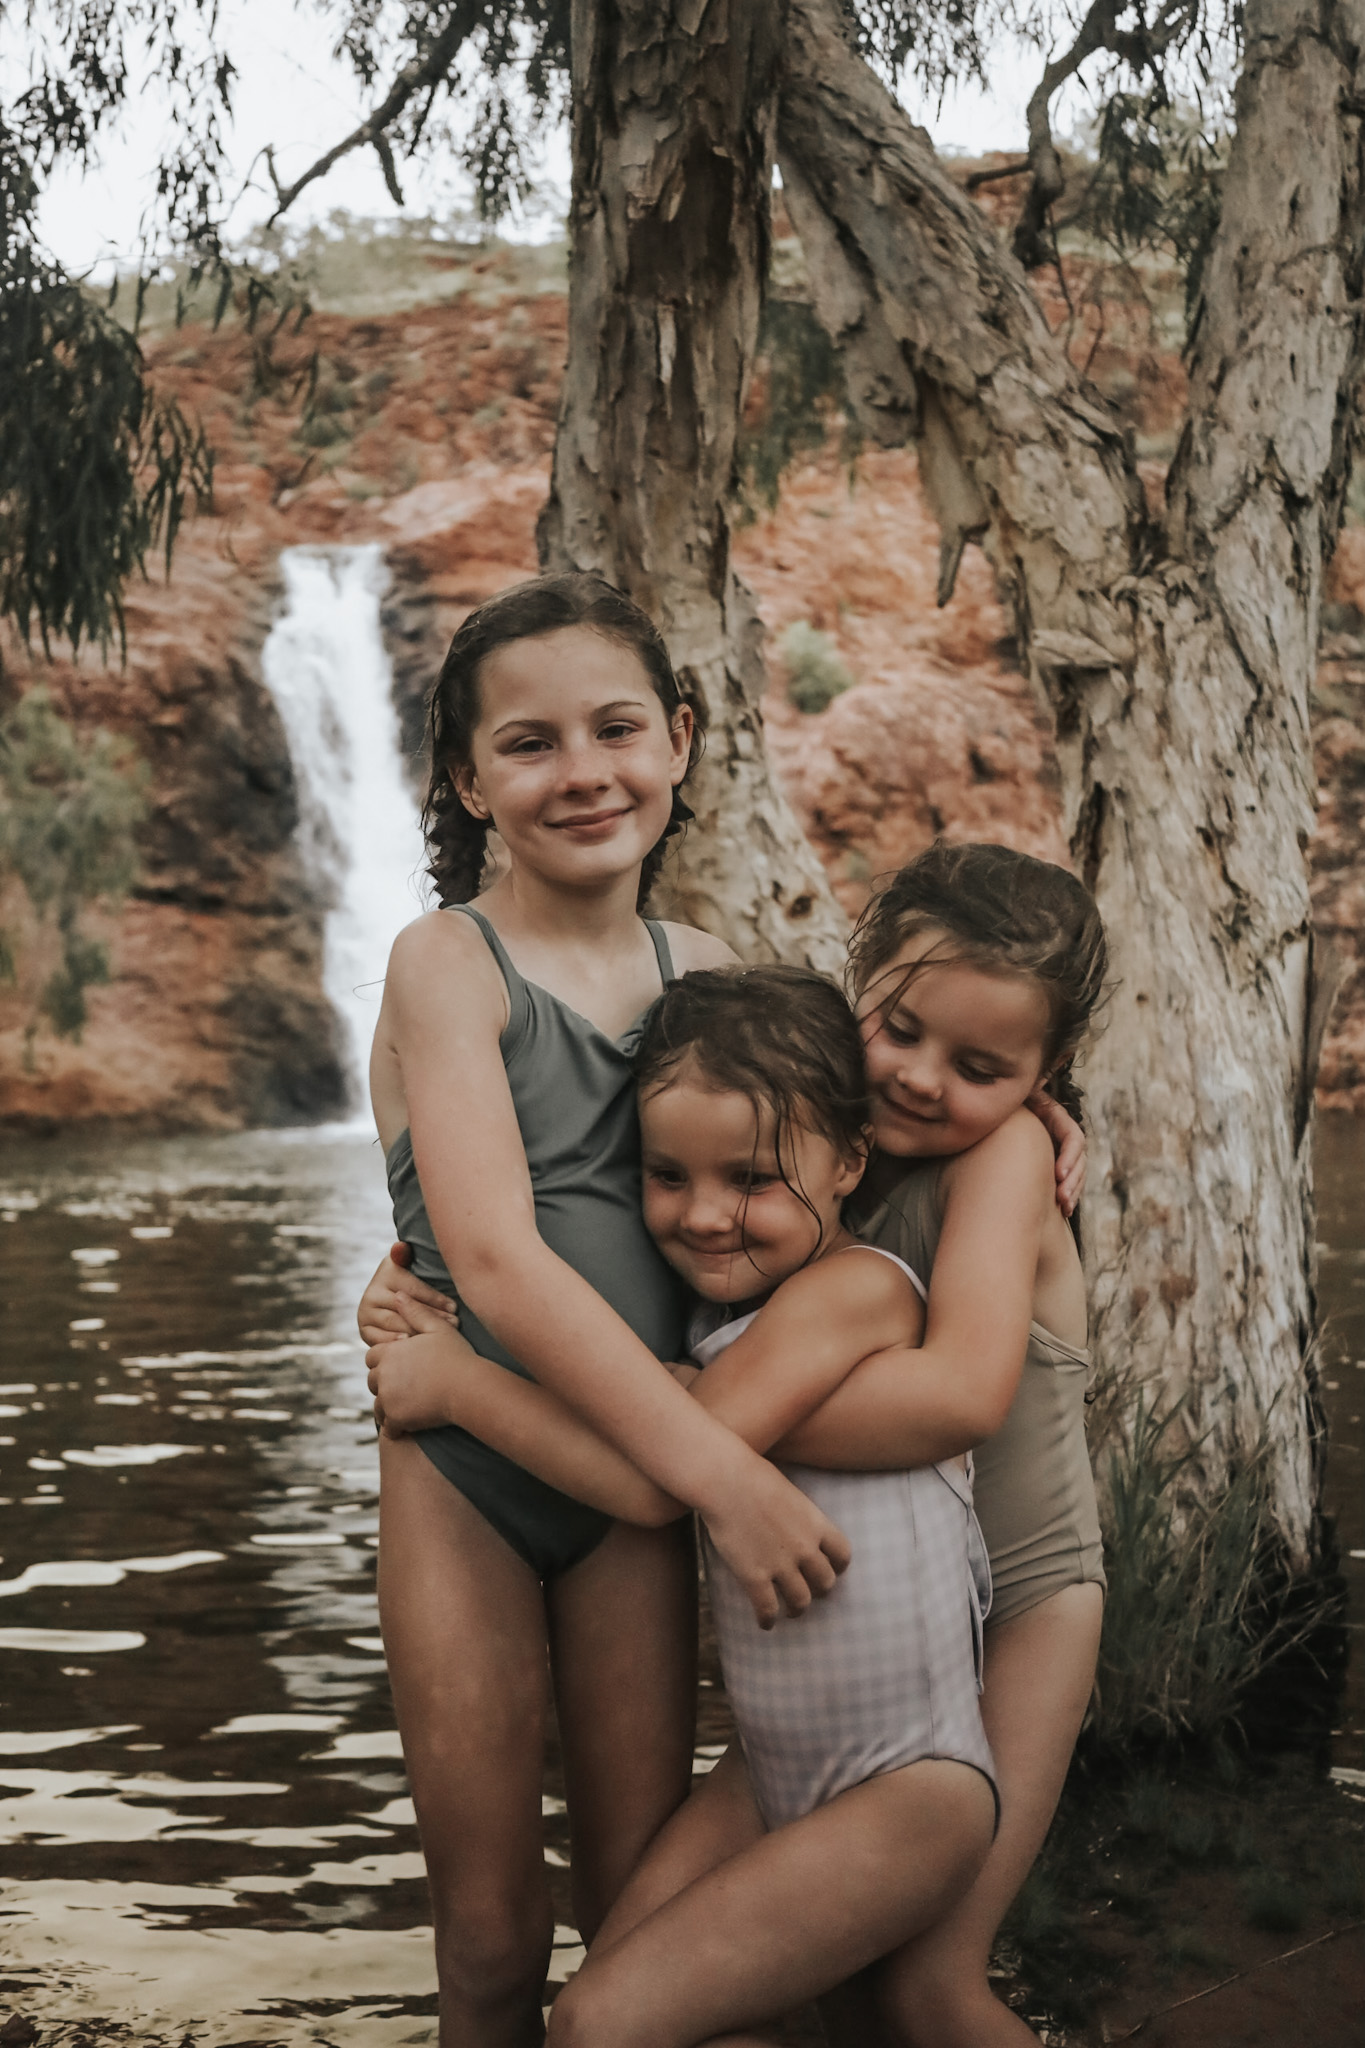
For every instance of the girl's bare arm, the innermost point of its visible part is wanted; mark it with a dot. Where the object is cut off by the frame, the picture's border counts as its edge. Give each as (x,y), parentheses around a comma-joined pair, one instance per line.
(806,1340)
(444,1009)
(913,1407)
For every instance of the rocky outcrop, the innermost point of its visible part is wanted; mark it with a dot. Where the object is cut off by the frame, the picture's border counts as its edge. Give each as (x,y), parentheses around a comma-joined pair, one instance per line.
(449,546)
(939,733)
(215,1016)
(430,433)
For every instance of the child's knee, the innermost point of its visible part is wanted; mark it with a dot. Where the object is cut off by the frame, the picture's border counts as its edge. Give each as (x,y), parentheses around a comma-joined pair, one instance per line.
(581,2018)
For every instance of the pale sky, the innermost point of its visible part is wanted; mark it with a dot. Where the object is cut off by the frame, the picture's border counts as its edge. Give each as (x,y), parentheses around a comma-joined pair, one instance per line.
(293,93)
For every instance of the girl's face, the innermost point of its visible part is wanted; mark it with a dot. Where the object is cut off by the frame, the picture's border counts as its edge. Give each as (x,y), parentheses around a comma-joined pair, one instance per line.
(573,758)
(715,1200)
(953,1054)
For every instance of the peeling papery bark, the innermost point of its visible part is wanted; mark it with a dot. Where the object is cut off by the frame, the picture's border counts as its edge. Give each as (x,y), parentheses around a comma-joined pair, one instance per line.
(1176,664)
(674,109)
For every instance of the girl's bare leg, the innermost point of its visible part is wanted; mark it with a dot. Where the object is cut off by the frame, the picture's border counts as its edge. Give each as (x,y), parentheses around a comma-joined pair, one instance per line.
(465,1637)
(790,1915)
(719,1818)
(934,1992)
(623,1640)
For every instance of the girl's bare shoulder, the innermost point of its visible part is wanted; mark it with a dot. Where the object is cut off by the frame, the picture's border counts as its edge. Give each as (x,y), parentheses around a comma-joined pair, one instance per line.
(1018,1152)
(692,949)
(853,1289)
(443,958)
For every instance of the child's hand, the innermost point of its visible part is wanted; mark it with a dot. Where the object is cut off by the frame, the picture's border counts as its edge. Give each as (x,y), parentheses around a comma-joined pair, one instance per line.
(380,1315)
(1069,1140)
(782,1549)
(413,1377)
(684,1372)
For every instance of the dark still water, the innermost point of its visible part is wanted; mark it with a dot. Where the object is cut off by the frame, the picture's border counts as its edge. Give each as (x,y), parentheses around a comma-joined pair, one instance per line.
(203,1816)
(202,1805)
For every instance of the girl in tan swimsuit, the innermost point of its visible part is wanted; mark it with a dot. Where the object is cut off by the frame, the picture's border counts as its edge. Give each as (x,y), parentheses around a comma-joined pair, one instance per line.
(950,917)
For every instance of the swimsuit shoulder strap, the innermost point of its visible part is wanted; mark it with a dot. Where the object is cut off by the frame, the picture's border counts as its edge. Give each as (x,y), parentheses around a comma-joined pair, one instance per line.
(911,1275)
(667,971)
(518,1000)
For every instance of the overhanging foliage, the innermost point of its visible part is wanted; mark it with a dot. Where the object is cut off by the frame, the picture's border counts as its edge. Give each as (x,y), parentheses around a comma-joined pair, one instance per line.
(94,471)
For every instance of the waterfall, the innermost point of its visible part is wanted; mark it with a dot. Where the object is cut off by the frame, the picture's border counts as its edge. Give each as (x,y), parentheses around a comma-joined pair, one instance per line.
(325,666)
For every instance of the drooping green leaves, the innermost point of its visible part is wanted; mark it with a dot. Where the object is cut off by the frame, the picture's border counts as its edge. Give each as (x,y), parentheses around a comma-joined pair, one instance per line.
(801,394)
(94,471)
(1157,182)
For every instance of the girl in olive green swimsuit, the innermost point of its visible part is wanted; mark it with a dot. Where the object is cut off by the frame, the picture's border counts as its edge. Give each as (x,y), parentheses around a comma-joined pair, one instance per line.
(502,1089)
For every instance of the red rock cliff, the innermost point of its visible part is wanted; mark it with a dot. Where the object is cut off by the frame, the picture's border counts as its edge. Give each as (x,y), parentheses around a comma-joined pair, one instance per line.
(432,435)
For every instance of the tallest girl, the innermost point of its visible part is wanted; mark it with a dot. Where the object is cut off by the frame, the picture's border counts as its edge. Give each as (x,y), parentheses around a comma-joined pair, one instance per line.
(504,1098)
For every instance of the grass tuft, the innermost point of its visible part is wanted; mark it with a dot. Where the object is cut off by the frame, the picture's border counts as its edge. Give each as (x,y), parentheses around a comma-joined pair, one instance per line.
(815,674)
(1197,1610)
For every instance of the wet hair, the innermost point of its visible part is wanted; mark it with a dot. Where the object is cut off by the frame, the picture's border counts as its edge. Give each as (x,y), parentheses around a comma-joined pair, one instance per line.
(783,1036)
(457,842)
(1004,912)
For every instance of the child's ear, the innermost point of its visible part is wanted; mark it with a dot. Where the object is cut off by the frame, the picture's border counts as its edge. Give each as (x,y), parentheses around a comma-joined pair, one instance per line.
(854,1164)
(467,790)
(680,730)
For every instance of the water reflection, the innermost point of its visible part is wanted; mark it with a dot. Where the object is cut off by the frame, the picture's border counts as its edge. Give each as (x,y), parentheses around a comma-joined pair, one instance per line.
(203,1812)
(201,1793)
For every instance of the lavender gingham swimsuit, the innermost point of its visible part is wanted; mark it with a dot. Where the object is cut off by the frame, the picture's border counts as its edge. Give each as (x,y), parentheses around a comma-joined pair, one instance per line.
(886,1669)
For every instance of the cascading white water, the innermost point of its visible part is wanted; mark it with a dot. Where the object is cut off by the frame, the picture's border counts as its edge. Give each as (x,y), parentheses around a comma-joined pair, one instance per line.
(325,666)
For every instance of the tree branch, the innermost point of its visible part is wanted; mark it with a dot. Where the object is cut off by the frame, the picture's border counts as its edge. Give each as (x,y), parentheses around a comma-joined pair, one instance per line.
(944,344)
(1138,48)
(1096,33)
(980,178)
(372,132)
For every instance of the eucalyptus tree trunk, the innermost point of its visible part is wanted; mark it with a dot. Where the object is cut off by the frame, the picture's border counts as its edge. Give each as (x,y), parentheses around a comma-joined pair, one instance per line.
(1176,657)
(674,109)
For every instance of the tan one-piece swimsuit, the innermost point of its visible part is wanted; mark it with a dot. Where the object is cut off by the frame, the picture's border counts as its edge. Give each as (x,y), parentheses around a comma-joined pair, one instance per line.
(1034,1489)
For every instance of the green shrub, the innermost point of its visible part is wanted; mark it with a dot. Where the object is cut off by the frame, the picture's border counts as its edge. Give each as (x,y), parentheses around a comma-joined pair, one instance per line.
(319,431)
(1195,1611)
(815,674)
(70,805)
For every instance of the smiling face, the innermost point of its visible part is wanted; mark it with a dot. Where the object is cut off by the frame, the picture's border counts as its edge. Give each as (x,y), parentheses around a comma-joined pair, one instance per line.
(952,1048)
(573,758)
(715,1199)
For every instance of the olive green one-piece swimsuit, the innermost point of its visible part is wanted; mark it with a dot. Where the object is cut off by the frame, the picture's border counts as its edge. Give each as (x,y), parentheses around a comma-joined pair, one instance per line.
(1033,1488)
(574,1094)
